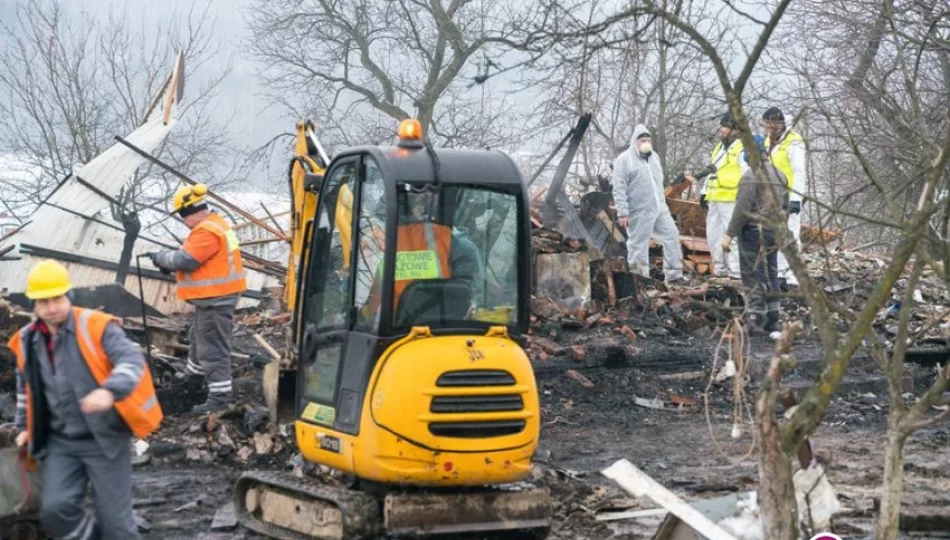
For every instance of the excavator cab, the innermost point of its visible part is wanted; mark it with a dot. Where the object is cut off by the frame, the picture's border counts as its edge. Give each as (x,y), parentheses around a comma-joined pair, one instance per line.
(411,377)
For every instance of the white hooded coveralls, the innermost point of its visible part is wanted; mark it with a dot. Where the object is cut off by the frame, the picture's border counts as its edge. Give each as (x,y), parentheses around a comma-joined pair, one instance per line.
(638,194)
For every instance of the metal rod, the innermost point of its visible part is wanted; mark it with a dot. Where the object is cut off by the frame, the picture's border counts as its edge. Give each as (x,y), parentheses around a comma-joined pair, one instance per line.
(14,231)
(231,206)
(98,191)
(550,157)
(274,221)
(148,339)
(259,242)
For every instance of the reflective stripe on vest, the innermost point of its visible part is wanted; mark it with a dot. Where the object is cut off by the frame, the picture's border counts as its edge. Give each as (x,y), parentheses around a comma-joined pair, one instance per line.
(779,157)
(233,280)
(725,186)
(140,409)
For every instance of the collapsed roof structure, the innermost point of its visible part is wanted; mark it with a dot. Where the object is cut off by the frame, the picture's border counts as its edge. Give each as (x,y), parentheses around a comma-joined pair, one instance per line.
(76,226)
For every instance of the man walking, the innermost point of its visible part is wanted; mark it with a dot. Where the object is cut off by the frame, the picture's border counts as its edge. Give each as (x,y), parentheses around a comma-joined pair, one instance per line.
(210,276)
(718,195)
(756,203)
(787,151)
(82,390)
(642,210)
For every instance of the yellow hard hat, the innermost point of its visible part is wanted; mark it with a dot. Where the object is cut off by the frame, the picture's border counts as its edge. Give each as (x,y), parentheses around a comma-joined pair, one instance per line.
(189,196)
(48,279)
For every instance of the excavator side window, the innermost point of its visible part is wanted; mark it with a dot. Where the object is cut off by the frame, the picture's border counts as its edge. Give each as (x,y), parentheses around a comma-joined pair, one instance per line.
(490,220)
(372,244)
(328,285)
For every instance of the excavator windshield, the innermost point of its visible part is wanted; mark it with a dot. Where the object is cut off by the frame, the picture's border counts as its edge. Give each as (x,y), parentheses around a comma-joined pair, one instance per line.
(456,258)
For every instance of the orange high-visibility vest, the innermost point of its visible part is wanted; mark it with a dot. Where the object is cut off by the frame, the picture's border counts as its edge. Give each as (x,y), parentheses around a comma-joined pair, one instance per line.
(422,252)
(140,409)
(223,273)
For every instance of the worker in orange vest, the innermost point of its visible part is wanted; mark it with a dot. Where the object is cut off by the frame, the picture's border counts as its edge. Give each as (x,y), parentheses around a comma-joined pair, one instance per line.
(210,276)
(83,389)
(427,250)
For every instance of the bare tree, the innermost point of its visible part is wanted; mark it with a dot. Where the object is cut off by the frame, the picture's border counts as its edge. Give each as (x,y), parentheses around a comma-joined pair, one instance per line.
(70,83)
(889,112)
(358,66)
(883,91)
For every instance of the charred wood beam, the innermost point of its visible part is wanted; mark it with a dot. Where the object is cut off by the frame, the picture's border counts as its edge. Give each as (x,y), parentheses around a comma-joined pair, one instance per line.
(132,226)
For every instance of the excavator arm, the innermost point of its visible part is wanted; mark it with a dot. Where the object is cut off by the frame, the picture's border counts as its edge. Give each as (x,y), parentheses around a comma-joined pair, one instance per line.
(306,172)
(305,177)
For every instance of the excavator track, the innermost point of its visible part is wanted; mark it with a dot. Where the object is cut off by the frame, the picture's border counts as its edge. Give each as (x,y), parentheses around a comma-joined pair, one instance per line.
(283,506)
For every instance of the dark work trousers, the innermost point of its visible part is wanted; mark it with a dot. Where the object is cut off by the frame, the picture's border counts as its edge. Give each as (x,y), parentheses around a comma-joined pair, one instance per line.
(210,350)
(758,263)
(66,468)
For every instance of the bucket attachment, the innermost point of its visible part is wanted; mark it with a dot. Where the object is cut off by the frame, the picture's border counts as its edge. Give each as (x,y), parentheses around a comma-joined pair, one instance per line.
(280,390)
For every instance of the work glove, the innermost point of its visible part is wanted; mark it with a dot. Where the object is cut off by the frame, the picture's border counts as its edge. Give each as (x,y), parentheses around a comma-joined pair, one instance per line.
(153,256)
(794,207)
(702,203)
(726,243)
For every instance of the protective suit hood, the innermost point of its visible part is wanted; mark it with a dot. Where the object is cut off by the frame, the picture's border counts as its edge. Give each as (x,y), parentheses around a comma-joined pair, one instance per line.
(637,131)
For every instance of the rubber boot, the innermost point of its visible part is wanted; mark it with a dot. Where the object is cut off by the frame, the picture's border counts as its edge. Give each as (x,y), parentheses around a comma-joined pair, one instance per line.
(756,323)
(215,403)
(772,321)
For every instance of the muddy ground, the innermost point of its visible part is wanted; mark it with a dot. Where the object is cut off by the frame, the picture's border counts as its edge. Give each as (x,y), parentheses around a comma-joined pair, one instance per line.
(587,429)
(590,419)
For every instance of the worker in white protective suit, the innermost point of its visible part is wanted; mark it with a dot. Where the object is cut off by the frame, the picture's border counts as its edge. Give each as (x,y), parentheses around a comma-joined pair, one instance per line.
(642,210)
(787,151)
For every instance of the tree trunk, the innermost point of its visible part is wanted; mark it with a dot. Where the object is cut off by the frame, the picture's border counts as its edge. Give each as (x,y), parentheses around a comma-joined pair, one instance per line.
(888,518)
(777,505)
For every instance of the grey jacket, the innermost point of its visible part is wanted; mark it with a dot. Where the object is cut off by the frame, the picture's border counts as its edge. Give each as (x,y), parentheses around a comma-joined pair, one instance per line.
(752,199)
(67,380)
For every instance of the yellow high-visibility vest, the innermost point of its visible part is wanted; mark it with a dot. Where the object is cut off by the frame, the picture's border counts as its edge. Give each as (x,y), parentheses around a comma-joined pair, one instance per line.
(779,157)
(725,186)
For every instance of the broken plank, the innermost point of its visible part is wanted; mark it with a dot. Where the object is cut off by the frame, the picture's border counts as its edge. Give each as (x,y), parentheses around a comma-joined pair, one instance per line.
(266,346)
(577,376)
(631,514)
(611,226)
(224,518)
(639,484)
(688,376)
(649,403)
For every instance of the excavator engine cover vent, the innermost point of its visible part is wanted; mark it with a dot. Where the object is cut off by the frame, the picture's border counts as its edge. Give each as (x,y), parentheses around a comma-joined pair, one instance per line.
(476,377)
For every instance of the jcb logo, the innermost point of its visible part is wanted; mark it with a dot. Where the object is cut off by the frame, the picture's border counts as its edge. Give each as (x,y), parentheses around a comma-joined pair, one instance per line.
(475,355)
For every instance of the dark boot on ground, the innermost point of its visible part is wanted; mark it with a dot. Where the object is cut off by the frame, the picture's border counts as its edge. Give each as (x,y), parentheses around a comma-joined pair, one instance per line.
(772,321)
(756,324)
(215,403)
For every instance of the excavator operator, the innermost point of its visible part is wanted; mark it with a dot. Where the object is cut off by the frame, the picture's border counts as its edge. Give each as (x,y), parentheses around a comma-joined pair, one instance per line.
(427,249)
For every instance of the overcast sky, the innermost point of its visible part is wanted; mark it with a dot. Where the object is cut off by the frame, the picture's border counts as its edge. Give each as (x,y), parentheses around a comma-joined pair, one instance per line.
(239,95)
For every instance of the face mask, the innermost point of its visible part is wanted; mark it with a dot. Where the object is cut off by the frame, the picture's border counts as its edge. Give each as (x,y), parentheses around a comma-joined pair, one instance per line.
(645,147)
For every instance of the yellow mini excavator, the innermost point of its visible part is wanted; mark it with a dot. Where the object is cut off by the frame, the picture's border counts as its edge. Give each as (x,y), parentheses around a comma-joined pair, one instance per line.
(410,297)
